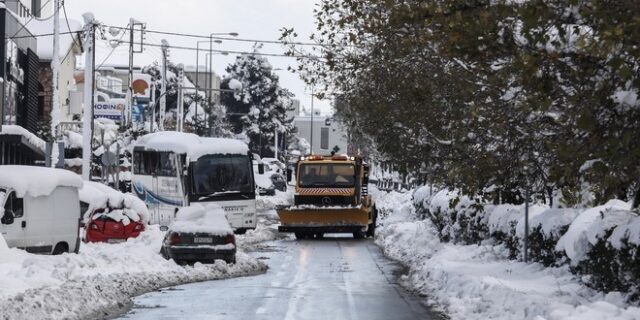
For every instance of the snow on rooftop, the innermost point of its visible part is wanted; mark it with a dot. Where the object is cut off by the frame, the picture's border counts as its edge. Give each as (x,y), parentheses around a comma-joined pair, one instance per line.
(36,181)
(45,43)
(190,144)
(10,129)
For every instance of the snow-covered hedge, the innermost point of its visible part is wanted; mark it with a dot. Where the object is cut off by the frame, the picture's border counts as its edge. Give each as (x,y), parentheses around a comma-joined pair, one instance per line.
(601,242)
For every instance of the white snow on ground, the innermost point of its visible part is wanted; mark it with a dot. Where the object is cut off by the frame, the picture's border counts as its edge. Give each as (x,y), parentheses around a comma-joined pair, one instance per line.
(480,282)
(100,280)
(268,221)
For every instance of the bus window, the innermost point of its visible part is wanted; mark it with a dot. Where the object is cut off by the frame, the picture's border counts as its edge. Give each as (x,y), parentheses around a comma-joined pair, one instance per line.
(165,165)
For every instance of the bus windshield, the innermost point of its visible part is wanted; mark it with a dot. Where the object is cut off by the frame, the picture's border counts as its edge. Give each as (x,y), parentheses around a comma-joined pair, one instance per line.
(219,174)
(327,175)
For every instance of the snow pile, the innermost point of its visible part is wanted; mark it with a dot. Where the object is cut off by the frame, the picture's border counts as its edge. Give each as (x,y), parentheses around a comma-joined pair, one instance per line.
(550,222)
(575,241)
(629,232)
(191,144)
(117,205)
(72,140)
(9,129)
(280,199)
(209,219)
(99,280)
(36,181)
(480,282)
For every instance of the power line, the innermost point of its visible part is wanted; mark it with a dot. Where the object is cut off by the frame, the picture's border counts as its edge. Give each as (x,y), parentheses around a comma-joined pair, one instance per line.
(231,51)
(30,19)
(110,52)
(191,35)
(68,26)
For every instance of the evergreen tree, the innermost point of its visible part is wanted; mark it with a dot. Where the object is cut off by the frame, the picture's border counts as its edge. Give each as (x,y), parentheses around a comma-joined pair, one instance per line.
(259,108)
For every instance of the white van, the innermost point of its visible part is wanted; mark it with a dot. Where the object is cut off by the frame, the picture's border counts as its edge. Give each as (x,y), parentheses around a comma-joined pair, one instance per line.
(40,209)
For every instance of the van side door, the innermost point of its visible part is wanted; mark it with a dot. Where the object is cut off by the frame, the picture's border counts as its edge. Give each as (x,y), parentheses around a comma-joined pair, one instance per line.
(39,218)
(13,220)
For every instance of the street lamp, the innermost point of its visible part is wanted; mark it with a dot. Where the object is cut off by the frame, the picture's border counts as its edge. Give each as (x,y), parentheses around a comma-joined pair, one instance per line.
(233,34)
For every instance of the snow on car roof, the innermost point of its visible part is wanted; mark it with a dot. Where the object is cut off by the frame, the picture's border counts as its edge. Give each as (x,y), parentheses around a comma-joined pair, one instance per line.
(98,195)
(190,144)
(36,181)
(197,218)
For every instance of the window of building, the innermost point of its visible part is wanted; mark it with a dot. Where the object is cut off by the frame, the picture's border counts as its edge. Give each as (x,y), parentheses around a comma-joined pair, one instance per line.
(324,138)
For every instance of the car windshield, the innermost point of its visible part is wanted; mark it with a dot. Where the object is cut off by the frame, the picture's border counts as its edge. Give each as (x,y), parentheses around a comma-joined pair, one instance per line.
(327,175)
(218,174)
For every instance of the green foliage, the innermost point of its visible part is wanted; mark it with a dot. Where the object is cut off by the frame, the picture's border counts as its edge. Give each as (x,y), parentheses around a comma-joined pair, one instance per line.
(484,93)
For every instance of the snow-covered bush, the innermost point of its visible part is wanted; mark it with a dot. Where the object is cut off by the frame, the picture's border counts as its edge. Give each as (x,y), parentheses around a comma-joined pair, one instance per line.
(612,261)
(546,229)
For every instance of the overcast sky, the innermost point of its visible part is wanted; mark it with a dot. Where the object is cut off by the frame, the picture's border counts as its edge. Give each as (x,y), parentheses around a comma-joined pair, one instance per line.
(252,19)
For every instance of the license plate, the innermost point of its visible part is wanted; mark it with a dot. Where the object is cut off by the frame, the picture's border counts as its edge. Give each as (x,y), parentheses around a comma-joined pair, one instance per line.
(116,240)
(202,240)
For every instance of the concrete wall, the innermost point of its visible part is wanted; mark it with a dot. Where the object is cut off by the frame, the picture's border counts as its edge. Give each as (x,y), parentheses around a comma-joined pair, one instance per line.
(337,134)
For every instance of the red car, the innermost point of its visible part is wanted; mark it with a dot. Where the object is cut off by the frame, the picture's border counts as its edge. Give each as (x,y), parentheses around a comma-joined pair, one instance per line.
(110,215)
(103,228)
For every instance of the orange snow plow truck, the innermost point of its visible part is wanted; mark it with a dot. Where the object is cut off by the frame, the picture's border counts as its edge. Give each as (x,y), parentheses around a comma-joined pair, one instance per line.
(331,197)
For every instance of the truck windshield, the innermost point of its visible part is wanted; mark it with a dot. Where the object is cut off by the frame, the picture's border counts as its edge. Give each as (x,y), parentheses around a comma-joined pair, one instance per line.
(221,174)
(327,175)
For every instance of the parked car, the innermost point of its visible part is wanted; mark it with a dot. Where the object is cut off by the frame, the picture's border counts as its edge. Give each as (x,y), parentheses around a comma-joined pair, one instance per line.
(200,234)
(40,209)
(267,179)
(110,215)
(275,165)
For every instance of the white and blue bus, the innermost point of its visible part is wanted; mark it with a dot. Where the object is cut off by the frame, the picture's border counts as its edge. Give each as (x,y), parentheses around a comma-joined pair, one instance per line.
(173,169)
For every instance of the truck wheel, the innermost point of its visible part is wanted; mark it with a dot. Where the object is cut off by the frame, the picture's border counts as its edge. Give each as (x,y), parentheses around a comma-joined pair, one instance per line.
(371,230)
(240,231)
(60,248)
(319,235)
(300,235)
(358,235)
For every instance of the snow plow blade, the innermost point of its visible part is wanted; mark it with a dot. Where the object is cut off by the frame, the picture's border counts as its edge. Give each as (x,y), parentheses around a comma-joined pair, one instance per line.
(320,220)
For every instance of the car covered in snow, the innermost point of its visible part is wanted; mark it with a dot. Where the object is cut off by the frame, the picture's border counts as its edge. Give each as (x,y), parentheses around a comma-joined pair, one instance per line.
(267,179)
(200,234)
(275,165)
(40,209)
(110,215)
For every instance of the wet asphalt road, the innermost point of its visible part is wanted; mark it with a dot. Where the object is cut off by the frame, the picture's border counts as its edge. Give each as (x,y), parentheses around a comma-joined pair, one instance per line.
(332,278)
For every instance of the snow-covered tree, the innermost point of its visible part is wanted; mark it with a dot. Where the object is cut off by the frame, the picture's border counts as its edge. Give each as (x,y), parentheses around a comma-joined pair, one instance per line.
(489,95)
(258,106)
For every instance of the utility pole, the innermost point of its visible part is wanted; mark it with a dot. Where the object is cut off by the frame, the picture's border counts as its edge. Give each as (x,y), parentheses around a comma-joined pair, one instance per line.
(312,96)
(210,66)
(88,95)
(180,100)
(55,68)
(276,142)
(152,103)
(163,89)
(130,78)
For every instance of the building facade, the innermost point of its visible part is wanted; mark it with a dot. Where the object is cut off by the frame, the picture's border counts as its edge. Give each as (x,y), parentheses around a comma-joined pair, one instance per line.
(19,87)
(206,80)
(328,134)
